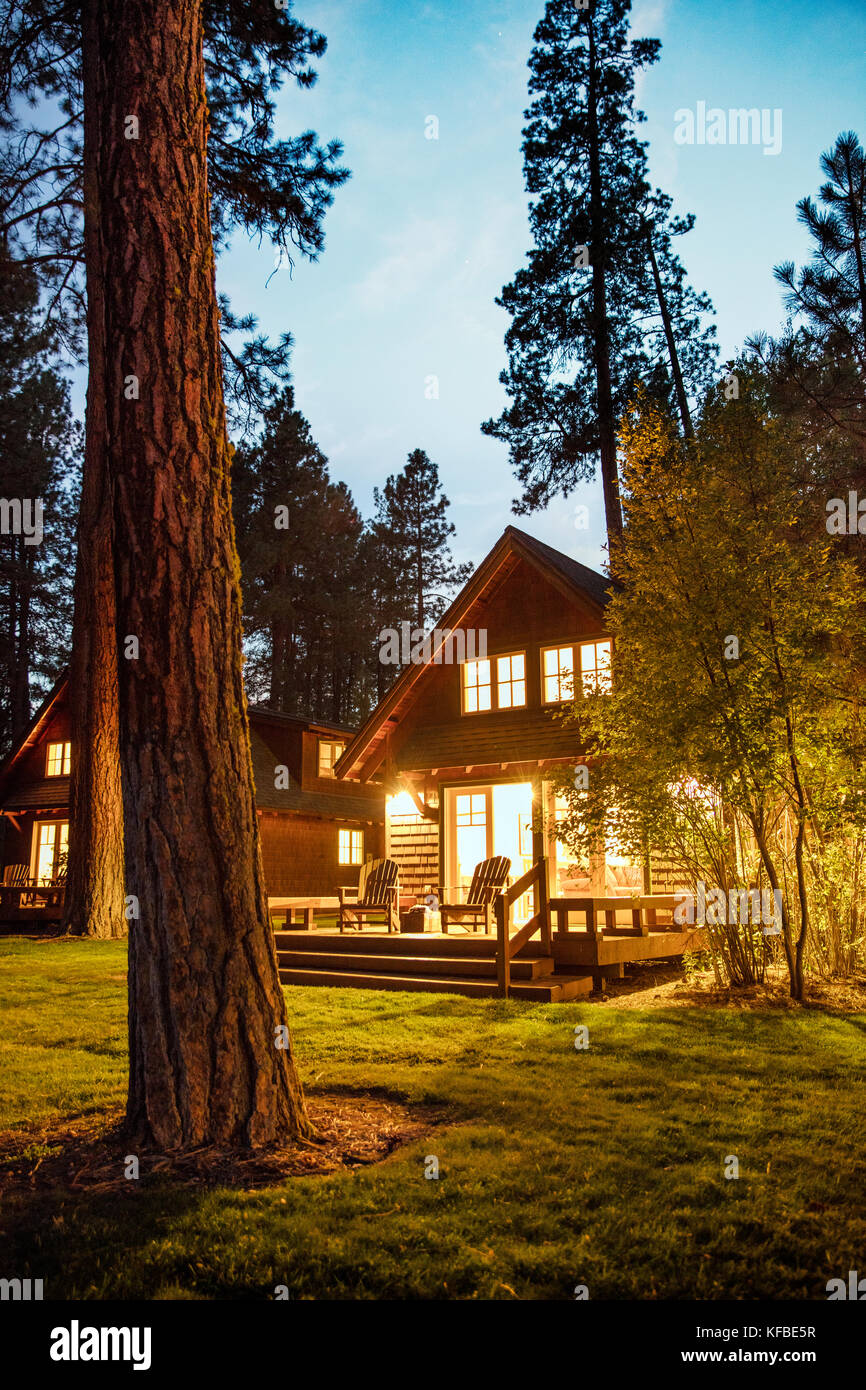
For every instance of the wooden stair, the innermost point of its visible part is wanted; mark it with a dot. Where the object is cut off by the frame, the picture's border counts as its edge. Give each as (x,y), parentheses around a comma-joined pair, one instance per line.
(420,963)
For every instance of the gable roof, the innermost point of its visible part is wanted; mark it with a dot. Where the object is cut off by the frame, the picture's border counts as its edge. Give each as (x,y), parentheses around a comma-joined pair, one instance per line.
(268,752)
(266,726)
(577,581)
(34,730)
(580,576)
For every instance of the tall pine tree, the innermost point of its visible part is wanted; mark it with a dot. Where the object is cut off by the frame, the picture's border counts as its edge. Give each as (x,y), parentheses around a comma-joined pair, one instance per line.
(210,1057)
(40,446)
(603,302)
(49,212)
(818,365)
(298,540)
(413,534)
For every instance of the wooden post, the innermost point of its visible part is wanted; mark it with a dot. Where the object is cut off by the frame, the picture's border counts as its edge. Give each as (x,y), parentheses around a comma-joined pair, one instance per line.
(503,967)
(544,906)
(592,918)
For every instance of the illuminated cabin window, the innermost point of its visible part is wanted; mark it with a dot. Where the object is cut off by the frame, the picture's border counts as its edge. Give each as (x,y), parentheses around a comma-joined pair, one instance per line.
(558,674)
(511,681)
(595,667)
(350,846)
(329,753)
(50,845)
(59,760)
(471,810)
(476,686)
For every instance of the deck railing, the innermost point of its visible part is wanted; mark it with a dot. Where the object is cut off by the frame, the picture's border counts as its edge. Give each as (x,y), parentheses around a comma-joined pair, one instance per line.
(31,900)
(643,911)
(507,945)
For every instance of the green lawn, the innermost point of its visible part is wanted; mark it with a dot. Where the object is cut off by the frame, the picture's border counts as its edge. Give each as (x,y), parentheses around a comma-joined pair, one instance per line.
(601,1167)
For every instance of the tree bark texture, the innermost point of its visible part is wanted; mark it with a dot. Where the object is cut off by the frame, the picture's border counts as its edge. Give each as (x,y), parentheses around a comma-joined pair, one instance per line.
(205,1005)
(94,900)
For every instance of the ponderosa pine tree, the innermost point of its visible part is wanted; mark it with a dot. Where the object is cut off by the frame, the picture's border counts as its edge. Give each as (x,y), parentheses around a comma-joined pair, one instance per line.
(414,534)
(210,1060)
(831,292)
(818,366)
(40,451)
(603,303)
(298,538)
(279,188)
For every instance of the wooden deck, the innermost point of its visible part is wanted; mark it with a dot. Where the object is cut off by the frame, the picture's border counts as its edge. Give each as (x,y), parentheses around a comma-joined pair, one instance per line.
(575,963)
(425,962)
(26,905)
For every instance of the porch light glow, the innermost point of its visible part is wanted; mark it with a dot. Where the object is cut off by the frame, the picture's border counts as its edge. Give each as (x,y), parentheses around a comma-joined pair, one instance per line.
(401,805)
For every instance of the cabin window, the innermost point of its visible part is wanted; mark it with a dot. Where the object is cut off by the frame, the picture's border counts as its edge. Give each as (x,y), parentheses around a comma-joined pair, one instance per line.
(50,845)
(329,752)
(350,846)
(476,686)
(472,822)
(511,680)
(59,760)
(558,674)
(595,667)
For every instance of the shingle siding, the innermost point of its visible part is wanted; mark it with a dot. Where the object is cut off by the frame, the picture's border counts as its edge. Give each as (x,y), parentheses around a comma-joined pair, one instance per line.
(413,841)
(299,855)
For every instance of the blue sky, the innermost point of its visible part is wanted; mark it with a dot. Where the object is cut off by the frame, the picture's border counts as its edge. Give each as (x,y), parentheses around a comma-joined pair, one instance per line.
(421,240)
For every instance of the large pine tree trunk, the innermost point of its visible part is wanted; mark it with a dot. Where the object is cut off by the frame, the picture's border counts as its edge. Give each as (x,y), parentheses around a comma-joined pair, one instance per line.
(205,1005)
(94,901)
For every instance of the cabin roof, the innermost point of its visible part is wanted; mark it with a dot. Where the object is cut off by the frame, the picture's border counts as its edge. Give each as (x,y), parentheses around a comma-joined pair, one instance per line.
(508,737)
(368,805)
(52,793)
(583,579)
(33,733)
(325,726)
(577,581)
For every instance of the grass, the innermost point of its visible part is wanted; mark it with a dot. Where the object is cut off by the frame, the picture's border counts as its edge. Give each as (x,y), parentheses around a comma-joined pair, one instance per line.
(602,1167)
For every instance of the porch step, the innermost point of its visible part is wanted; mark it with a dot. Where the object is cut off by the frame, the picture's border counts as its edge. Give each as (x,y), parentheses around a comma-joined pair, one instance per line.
(398,944)
(467,967)
(546,989)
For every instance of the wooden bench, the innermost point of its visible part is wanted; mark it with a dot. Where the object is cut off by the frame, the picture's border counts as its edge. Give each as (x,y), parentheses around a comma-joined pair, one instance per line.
(305,906)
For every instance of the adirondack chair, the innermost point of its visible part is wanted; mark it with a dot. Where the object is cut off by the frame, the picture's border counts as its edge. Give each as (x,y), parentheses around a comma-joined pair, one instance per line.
(15,874)
(488,881)
(15,880)
(375,896)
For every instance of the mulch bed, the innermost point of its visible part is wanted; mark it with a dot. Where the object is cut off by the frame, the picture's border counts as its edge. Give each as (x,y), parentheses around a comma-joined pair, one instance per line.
(653,985)
(355,1130)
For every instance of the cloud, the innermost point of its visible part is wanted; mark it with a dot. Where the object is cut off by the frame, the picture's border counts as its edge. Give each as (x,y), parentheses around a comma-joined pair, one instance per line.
(413,264)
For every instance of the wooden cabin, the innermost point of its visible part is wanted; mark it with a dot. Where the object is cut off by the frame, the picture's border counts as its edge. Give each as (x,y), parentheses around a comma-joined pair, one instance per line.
(316,831)
(466,748)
